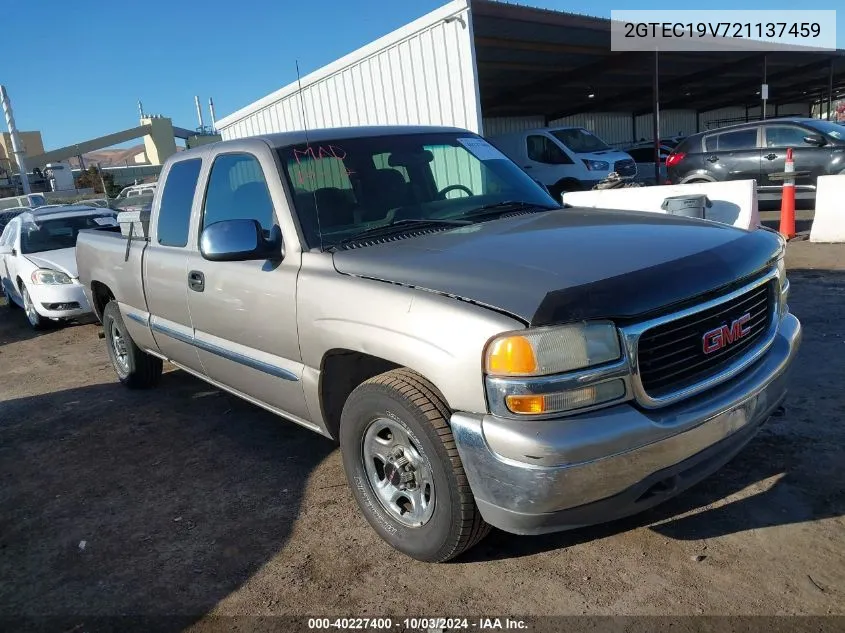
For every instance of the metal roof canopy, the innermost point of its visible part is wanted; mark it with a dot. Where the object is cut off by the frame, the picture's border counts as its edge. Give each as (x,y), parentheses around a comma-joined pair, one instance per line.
(539,62)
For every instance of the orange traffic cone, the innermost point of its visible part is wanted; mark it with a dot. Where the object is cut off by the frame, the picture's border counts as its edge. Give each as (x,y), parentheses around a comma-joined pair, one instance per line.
(787,205)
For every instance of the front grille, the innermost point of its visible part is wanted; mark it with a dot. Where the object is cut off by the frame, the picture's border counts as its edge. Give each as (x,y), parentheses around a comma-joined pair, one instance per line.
(625,168)
(671,356)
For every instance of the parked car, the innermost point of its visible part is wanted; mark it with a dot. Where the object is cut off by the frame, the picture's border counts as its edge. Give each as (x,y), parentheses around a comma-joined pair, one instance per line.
(757,151)
(566,158)
(483,359)
(38,264)
(643,155)
(28,200)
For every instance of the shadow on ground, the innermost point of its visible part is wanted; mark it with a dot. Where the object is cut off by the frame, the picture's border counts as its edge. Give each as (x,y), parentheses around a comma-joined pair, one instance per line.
(143,502)
(165,502)
(14,326)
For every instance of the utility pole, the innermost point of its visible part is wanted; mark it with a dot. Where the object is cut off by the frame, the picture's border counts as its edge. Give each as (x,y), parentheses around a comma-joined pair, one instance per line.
(17,146)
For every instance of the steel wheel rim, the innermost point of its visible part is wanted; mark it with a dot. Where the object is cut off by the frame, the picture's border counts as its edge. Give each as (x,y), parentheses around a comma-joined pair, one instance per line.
(389,454)
(29,308)
(119,347)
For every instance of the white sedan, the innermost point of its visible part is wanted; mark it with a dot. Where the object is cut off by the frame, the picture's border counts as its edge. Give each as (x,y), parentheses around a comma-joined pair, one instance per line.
(38,261)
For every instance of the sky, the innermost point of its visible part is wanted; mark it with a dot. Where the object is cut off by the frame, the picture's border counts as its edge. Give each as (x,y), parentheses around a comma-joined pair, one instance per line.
(83,65)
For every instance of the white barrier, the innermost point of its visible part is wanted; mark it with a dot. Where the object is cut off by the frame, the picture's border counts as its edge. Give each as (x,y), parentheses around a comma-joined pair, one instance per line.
(734,202)
(829,218)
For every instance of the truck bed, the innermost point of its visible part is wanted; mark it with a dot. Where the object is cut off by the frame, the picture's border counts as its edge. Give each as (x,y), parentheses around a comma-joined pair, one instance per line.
(101,257)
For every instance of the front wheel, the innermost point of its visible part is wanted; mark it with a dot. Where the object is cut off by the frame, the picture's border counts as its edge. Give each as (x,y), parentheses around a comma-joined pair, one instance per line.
(135,368)
(404,469)
(35,320)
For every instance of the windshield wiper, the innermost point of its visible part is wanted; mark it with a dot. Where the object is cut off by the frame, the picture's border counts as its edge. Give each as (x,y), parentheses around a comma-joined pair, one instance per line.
(396,226)
(504,207)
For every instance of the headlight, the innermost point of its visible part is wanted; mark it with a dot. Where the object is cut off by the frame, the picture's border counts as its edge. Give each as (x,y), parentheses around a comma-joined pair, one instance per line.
(552,350)
(49,277)
(596,165)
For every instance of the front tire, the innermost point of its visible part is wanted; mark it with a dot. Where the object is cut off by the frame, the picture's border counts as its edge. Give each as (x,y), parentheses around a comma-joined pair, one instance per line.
(36,321)
(403,466)
(134,368)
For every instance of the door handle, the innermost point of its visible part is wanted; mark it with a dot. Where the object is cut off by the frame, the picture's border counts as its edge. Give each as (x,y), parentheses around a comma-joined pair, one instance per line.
(526,166)
(771,156)
(196,280)
(712,159)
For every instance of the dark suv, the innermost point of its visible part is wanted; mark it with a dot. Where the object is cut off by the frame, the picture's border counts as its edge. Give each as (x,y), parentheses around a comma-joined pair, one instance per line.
(757,150)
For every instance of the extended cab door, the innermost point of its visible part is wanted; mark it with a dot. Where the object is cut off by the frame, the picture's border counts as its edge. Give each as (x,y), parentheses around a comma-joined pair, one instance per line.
(166,265)
(808,158)
(733,155)
(244,312)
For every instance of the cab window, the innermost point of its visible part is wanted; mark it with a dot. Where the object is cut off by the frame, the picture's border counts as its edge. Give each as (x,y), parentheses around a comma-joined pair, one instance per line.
(542,149)
(237,190)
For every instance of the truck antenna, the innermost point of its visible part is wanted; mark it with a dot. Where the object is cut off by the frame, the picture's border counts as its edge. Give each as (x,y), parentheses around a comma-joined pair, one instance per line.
(307,147)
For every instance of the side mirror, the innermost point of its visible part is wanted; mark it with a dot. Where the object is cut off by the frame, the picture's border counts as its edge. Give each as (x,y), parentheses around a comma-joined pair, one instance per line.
(815,139)
(7,250)
(240,240)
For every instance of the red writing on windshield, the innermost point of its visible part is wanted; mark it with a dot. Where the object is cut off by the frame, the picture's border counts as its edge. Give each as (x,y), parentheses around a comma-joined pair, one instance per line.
(318,153)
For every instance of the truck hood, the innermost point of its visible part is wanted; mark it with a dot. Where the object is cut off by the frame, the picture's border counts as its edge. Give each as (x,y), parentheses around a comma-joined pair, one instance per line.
(571,264)
(63,260)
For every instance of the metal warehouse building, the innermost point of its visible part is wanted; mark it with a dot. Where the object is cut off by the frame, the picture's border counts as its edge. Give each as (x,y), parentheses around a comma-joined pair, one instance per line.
(494,68)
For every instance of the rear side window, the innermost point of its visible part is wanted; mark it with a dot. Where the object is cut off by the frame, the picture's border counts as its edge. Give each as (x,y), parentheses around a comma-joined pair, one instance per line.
(237,190)
(174,215)
(731,141)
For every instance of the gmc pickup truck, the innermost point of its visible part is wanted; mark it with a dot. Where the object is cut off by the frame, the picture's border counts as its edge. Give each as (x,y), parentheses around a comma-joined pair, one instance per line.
(483,356)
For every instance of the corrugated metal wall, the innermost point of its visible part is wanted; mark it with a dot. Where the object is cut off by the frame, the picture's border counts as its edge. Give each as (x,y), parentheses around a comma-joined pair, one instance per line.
(614,128)
(493,126)
(421,74)
(672,123)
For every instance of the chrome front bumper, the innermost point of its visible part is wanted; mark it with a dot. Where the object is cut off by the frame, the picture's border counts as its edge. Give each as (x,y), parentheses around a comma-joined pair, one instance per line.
(535,476)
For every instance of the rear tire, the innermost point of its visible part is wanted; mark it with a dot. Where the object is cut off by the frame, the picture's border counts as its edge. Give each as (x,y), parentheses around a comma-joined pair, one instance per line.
(395,425)
(134,368)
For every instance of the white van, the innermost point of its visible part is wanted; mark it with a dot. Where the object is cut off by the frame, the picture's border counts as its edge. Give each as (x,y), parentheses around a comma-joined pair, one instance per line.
(565,158)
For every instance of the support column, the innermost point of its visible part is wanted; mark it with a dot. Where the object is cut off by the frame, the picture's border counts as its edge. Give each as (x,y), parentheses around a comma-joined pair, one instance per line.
(830,91)
(17,146)
(656,118)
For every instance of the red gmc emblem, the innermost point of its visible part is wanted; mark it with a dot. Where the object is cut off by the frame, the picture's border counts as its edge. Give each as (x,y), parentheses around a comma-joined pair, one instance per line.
(721,337)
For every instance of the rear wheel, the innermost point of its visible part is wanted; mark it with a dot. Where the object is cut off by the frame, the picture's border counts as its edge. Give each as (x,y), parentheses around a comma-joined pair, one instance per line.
(135,368)
(404,469)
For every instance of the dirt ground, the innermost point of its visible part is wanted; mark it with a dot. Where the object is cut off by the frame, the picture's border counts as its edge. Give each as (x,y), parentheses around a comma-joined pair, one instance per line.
(185,500)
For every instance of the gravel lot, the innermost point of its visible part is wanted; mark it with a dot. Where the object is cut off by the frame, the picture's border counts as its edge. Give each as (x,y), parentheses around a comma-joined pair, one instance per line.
(185,500)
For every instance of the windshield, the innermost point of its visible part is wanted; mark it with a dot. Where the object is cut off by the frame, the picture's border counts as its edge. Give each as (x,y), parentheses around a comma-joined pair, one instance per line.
(359,184)
(830,129)
(58,233)
(580,140)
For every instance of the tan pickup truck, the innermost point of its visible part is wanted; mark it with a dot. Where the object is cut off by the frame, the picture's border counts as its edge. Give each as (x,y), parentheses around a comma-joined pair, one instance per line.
(483,356)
